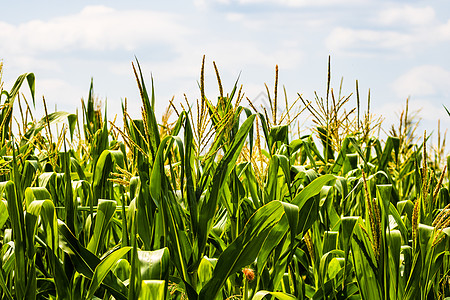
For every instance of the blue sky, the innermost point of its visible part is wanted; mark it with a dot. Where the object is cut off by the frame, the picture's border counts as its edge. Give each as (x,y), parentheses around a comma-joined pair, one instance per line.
(398,49)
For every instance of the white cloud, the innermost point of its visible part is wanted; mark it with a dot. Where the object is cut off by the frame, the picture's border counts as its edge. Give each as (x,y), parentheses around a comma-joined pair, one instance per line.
(406,15)
(57,90)
(443,32)
(398,29)
(31,46)
(360,40)
(428,89)
(26,63)
(302,3)
(231,56)
(423,81)
(370,41)
(235,17)
(427,111)
(201,4)
(244,53)
(94,28)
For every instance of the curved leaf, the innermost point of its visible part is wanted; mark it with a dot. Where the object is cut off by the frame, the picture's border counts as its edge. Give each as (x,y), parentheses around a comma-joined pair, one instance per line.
(279,295)
(245,248)
(104,267)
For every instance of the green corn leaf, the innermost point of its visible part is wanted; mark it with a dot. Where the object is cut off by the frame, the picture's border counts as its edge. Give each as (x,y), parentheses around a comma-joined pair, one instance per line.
(272,180)
(398,219)
(278,134)
(72,119)
(154,264)
(135,281)
(180,246)
(15,89)
(88,112)
(265,128)
(326,264)
(330,239)
(158,174)
(104,267)
(149,105)
(339,162)
(69,205)
(206,269)
(28,172)
(85,261)
(278,295)
(16,215)
(251,184)
(365,264)
(4,288)
(358,148)
(276,237)
(52,118)
(3,213)
(50,181)
(30,230)
(46,210)
(327,144)
(312,189)
(245,248)
(222,172)
(308,203)
(190,176)
(146,209)
(152,289)
(59,276)
(392,143)
(36,193)
(248,113)
(394,242)
(105,211)
(122,269)
(345,235)
(104,166)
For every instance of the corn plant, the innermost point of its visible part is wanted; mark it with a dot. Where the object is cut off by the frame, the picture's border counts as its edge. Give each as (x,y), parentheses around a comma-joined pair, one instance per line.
(221,201)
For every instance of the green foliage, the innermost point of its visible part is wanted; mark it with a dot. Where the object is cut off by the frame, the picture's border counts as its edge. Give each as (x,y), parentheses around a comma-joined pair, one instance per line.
(217,204)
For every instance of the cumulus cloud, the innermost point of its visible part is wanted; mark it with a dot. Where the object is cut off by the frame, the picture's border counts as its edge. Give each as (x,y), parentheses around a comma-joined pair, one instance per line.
(25,63)
(425,110)
(286,3)
(94,28)
(443,32)
(360,40)
(428,89)
(370,41)
(97,29)
(399,29)
(97,41)
(405,15)
(247,53)
(59,89)
(422,81)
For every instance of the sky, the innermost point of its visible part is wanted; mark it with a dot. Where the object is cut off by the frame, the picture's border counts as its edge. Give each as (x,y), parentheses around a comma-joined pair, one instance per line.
(397,49)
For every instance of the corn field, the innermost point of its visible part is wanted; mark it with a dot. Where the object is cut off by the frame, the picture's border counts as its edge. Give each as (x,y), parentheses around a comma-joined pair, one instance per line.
(219,200)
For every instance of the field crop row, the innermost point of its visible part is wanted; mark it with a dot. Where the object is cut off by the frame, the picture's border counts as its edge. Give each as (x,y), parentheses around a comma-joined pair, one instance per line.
(221,200)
